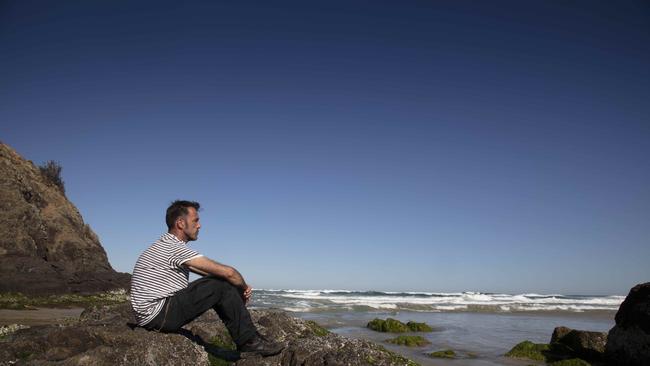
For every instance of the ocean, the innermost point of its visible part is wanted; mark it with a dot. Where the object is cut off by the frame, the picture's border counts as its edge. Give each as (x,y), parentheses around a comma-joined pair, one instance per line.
(480,327)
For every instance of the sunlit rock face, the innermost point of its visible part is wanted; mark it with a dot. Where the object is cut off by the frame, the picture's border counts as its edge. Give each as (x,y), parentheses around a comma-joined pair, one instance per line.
(45,246)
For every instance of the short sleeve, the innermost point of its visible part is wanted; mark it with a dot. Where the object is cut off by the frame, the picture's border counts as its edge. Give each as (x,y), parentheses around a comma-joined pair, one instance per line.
(181,254)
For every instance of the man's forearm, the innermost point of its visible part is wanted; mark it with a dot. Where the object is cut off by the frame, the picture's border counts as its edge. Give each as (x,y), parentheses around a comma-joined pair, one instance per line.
(237,279)
(211,267)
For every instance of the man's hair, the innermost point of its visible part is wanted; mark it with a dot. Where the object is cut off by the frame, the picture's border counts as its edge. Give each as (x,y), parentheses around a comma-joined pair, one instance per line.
(178,209)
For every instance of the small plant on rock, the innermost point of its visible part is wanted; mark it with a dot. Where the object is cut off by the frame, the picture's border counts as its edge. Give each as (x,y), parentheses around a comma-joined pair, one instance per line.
(51,172)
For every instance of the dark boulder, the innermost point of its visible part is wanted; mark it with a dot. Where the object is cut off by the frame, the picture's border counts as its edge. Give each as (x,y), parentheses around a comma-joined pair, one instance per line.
(628,342)
(559,333)
(580,343)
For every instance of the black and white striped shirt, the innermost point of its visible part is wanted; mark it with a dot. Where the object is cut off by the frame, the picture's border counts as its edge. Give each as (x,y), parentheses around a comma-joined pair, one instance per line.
(158,274)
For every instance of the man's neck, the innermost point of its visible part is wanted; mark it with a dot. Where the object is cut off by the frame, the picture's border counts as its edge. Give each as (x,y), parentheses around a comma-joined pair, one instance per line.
(179,234)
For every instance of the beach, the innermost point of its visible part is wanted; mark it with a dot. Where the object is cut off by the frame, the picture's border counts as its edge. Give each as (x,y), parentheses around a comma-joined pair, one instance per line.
(39,316)
(480,328)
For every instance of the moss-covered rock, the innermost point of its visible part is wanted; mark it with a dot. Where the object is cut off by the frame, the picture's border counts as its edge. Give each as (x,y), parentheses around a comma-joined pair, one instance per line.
(223,342)
(317,329)
(419,327)
(409,341)
(530,350)
(446,353)
(571,362)
(394,358)
(18,301)
(389,325)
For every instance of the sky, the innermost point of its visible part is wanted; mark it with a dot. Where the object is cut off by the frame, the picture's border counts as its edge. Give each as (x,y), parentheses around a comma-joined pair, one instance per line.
(441,146)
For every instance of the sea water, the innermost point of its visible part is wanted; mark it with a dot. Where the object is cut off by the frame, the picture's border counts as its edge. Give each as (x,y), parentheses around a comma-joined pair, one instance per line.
(480,327)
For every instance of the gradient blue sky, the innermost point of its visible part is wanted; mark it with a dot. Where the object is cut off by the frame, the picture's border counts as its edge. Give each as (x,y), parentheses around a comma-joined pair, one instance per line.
(415,145)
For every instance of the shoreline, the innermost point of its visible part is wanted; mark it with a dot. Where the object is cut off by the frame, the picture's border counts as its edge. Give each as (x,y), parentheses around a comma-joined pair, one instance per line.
(488,335)
(39,316)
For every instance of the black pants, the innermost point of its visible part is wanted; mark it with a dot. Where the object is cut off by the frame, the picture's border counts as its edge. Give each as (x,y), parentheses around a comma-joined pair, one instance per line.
(198,297)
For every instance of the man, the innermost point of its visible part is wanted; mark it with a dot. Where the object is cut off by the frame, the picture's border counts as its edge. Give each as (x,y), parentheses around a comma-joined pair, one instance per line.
(162,299)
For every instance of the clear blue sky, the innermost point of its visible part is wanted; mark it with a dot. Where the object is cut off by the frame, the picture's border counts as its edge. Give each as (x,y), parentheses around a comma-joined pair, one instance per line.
(417,145)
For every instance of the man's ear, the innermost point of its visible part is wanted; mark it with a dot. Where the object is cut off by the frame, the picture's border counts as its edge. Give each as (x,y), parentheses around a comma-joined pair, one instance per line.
(180,223)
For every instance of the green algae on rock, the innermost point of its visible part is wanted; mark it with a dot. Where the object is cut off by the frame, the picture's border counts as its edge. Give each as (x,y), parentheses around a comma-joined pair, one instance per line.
(395,358)
(419,327)
(447,353)
(409,341)
(18,301)
(222,341)
(317,329)
(530,350)
(389,325)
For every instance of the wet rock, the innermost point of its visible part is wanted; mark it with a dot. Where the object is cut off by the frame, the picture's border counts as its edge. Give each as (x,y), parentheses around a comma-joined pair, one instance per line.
(446,353)
(570,362)
(389,325)
(628,342)
(529,350)
(409,341)
(419,327)
(558,333)
(579,343)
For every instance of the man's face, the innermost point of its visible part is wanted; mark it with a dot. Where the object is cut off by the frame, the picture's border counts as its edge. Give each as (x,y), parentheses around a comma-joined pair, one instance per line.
(192,224)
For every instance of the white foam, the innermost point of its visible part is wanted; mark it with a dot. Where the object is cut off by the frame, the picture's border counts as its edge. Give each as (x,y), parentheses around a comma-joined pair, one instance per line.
(424,301)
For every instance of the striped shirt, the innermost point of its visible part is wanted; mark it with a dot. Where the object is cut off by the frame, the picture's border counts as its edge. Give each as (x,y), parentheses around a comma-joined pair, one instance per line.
(158,274)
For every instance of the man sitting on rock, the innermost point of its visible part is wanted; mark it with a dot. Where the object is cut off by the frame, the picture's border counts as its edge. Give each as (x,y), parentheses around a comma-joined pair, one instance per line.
(162,299)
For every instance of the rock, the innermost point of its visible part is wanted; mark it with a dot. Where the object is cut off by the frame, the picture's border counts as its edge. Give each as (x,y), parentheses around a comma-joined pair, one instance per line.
(419,327)
(389,325)
(102,337)
(571,362)
(582,344)
(529,350)
(45,246)
(558,333)
(409,341)
(628,342)
(447,353)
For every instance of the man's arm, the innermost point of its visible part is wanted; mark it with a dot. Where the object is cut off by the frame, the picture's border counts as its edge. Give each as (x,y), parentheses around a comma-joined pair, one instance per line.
(195,270)
(206,266)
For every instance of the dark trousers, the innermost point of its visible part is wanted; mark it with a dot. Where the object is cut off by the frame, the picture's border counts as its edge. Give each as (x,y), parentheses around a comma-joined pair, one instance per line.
(198,297)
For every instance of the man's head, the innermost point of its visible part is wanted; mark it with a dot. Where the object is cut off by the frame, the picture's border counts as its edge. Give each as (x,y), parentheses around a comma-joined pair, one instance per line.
(183,219)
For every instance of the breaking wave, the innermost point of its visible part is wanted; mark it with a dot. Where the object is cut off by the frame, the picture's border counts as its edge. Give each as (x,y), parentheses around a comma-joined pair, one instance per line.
(343,300)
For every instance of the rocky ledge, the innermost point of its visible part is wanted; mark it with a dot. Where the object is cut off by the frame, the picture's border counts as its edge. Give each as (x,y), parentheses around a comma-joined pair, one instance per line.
(104,335)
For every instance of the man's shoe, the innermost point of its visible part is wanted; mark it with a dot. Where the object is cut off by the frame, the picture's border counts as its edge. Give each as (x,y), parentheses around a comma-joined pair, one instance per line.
(260,346)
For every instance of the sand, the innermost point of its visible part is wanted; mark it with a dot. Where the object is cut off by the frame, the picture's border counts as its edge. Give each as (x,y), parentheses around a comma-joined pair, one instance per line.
(38,316)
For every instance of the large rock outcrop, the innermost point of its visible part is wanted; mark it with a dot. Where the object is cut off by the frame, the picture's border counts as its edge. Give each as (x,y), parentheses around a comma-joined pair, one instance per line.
(45,246)
(580,343)
(102,337)
(628,342)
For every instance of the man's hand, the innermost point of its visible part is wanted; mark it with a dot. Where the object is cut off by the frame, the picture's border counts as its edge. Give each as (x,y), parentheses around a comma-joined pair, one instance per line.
(246,295)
